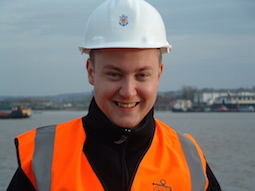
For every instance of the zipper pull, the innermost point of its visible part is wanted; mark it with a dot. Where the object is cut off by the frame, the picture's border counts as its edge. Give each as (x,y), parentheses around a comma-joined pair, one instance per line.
(123,137)
(121,140)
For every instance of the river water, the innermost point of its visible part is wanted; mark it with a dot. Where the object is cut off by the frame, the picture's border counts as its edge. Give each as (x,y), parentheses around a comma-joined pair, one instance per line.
(227,140)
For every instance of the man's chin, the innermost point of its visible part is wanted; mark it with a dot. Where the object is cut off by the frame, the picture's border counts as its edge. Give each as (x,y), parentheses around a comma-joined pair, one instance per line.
(126,124)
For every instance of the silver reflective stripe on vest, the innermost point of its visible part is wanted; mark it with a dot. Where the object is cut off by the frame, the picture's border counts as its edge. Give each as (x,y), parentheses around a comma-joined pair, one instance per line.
(42,158)
(198,178)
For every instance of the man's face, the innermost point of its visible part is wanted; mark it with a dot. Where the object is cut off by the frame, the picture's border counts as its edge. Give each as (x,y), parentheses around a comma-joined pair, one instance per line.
(125,83)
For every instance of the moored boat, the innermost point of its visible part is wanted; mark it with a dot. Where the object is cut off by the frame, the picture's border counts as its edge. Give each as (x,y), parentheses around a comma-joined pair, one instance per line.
(246,109)
(16,112)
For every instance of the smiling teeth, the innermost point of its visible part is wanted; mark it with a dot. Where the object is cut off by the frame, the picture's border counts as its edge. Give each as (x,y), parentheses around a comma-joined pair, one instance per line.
(129,105)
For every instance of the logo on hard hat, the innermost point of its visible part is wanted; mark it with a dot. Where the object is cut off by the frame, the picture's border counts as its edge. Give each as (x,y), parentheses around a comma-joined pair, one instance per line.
(123,20)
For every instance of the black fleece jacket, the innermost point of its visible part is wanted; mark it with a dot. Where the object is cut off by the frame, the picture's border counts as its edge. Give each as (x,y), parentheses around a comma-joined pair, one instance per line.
(113,152)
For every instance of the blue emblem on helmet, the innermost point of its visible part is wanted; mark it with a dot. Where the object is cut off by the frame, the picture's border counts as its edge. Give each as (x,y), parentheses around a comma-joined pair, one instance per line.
(123,20)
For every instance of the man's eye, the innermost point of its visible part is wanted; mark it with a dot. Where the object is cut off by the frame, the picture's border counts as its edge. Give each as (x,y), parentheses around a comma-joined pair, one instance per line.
(142,76)
(114,75)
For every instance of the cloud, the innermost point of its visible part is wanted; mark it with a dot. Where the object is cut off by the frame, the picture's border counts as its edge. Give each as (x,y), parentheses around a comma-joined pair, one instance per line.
(39,44)
(214,48)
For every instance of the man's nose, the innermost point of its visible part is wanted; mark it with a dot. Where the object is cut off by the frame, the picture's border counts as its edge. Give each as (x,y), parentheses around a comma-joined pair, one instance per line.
(128,88)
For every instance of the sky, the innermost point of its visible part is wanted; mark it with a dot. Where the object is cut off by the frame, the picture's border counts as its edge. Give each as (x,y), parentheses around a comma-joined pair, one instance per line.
(213,45)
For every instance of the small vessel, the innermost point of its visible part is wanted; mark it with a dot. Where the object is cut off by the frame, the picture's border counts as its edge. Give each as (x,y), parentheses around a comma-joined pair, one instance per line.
(246,109)
(222,109)
(16,112)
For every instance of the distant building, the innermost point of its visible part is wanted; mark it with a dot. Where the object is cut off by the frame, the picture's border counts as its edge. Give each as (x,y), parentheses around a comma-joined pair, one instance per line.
(211,97)
(236,100)
(207,97)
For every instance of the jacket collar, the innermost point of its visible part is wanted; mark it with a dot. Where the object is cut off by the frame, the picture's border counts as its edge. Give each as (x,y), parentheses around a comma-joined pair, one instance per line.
(99,128)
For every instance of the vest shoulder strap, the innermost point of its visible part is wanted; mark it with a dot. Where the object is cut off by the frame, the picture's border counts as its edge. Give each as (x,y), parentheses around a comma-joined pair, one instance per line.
(195,161)
(43,155)
(194,156)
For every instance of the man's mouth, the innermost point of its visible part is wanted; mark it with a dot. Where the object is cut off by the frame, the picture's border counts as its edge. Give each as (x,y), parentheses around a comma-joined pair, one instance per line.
(126,105)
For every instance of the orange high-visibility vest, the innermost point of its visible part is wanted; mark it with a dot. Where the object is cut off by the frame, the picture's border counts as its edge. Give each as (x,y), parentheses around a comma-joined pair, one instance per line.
(52,158)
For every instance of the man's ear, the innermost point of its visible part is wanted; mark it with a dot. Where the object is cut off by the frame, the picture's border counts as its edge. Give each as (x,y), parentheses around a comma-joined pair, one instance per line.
(161,69)
(90,70)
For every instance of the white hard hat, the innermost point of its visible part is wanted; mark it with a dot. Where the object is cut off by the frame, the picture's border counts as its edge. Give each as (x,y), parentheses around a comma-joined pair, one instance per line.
(125,24)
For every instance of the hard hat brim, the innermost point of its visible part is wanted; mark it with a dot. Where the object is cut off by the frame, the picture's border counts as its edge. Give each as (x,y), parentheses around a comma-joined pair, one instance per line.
(86,50)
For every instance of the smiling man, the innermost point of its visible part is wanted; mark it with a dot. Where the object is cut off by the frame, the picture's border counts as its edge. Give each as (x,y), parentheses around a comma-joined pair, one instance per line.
(126,82)
(118,145)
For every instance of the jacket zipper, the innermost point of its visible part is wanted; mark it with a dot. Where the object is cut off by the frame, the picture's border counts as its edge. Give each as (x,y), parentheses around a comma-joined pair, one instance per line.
(125,173)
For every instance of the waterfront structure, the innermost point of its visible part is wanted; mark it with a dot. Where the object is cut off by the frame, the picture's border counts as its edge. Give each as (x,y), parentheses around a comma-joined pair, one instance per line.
(207,97)
(212,97)
(236,100)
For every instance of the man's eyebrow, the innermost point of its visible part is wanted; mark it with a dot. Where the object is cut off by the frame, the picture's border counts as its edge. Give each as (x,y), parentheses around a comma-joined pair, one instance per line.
(111,67)
(145,68)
